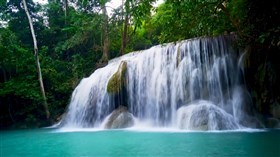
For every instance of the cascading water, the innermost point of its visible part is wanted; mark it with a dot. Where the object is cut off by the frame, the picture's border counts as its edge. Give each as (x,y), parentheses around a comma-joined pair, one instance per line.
(193,84)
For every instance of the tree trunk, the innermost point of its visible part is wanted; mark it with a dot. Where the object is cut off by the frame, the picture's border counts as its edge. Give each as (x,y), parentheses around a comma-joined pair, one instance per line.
(125,28)
(65,11)
(105,56)
(4,74)
(37,60)
(124,35)
(234,22)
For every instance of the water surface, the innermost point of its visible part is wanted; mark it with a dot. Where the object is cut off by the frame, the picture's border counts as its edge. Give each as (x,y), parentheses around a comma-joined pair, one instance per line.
(116,143)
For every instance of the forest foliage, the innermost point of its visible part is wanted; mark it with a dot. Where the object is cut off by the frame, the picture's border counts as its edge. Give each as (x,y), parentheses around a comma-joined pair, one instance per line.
(72,36)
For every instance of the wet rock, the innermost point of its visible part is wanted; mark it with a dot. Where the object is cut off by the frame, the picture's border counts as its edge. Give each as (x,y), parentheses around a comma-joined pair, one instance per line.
(120,118)
(204,115)
(117,81)
(273,123)
(117,86)
(276,110)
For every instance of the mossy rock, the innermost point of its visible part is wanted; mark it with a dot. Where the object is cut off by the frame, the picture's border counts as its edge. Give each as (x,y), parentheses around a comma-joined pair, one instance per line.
(117,81)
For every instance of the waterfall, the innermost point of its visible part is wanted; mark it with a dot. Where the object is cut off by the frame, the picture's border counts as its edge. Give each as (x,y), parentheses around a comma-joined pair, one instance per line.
(168,86)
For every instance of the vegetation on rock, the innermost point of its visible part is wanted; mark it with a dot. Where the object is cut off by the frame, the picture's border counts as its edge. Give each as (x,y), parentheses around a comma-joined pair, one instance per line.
(117,81)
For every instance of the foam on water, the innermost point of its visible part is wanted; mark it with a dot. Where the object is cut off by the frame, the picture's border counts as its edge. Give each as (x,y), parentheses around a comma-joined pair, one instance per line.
(142,128)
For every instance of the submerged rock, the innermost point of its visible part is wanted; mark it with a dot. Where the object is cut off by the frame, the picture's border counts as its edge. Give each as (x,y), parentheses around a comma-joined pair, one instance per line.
(204,115)
(119,118)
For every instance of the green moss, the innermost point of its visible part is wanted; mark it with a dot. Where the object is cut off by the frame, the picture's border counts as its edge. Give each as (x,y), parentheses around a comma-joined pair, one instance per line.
(117,81)
(113,84)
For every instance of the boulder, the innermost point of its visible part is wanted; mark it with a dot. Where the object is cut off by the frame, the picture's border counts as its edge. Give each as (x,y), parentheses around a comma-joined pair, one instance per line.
(117,86)
(275,110)
(204,115)
(117,81)
(272,123)
(119,118)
